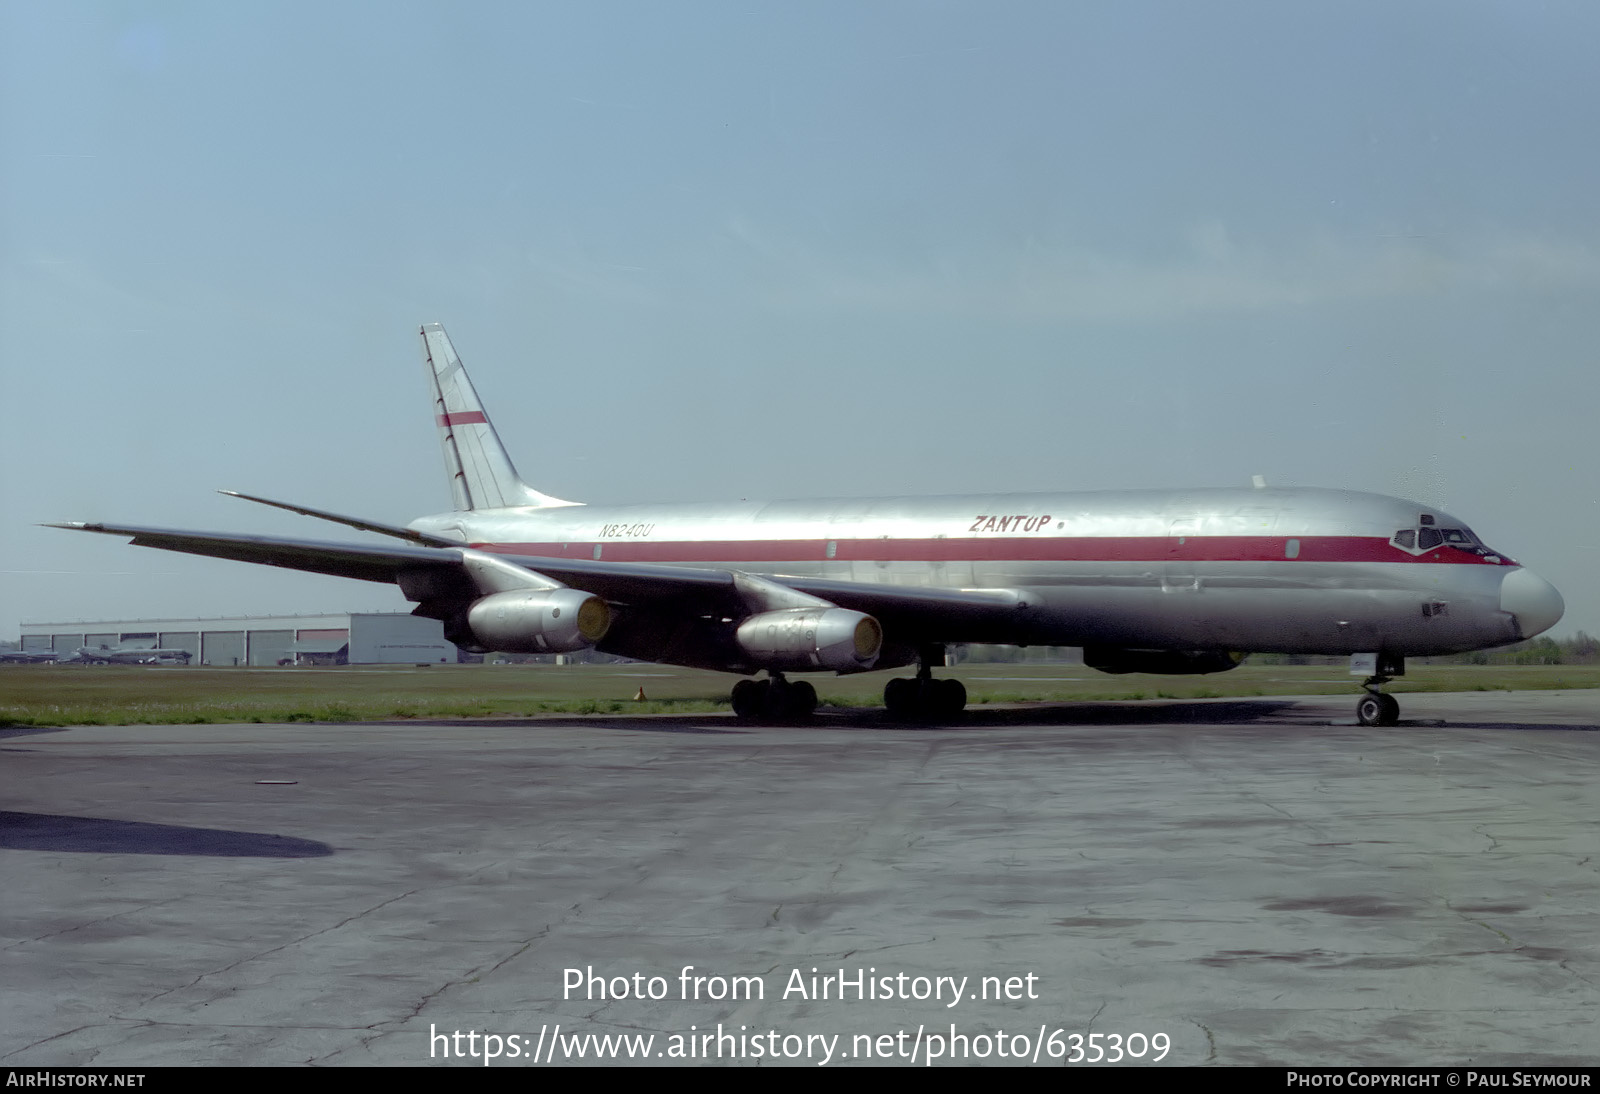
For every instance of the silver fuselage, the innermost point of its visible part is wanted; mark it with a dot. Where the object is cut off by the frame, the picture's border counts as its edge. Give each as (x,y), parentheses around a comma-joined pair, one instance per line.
(1269,570)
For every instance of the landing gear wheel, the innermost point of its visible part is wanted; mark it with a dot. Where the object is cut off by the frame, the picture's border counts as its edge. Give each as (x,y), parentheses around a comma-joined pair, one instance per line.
(749,699)
(952,698)
(1391,710)
(924,700)
(775,700)
(802,699)
(1378,709)
(900,698)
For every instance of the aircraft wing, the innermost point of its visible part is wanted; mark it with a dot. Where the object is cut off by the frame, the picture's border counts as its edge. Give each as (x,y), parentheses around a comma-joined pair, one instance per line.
(927,614)
(383,564)
(643,582)
(621,582)
(920,613)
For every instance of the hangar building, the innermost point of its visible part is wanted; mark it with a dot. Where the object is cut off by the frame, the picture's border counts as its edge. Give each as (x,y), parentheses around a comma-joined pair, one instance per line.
(371,638)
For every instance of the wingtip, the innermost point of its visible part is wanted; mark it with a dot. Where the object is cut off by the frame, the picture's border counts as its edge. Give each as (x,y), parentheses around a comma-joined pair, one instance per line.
(73,525)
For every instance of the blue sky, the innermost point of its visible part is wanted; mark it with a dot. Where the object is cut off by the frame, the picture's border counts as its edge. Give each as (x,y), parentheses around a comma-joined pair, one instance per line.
(706,250)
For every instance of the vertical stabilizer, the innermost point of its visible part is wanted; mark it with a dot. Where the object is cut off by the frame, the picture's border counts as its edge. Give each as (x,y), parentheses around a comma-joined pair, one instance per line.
(481,474)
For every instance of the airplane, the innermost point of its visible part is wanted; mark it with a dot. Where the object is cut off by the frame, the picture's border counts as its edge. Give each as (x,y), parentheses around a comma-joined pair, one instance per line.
(28,657)
(125,655)
(1156,581)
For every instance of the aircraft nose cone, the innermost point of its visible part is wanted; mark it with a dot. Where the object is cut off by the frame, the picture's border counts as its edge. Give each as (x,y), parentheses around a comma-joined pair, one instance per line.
(1532,600)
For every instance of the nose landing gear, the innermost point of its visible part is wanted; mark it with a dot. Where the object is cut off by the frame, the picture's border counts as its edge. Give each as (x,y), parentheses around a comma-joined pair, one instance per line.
(1377,708)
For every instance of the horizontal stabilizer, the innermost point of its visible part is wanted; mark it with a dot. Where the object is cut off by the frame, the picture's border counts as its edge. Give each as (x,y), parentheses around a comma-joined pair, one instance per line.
(354,522)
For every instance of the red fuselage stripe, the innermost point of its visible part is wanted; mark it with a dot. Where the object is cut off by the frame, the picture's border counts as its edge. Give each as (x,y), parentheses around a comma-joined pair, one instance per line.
(999,549)
(462,417)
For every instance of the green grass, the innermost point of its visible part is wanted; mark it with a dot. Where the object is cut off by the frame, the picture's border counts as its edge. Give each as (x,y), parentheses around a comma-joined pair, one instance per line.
(131,694)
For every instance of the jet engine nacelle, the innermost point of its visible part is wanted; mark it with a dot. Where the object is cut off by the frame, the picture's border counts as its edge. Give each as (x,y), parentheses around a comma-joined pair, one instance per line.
(1114,659)
(797,639)
(538,621)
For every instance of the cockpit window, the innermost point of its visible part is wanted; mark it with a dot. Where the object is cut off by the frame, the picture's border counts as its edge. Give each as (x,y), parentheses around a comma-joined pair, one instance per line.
(1421,540)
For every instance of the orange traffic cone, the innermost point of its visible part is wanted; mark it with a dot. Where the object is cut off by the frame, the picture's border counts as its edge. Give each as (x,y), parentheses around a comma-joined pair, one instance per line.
(640,697)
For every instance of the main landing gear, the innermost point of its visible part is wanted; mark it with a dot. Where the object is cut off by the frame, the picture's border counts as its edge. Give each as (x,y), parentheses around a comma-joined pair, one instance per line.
(774,698)
(924,698)
(1378,708)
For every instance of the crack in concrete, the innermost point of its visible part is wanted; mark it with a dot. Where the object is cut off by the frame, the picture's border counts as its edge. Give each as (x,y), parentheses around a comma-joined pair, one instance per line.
(1101,1009)
(90,923)
(282,946)
(46,1040)
(1518,948)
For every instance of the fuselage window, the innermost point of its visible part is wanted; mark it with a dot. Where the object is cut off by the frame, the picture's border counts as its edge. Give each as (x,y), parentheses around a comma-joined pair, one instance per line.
(1405,538)
(1291,549)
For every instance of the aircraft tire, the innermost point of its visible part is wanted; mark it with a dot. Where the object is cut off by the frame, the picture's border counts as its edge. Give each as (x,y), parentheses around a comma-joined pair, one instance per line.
(900,698)
(1378,710)
(802,699)
(951,698)
(1391,710)
(749,699)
